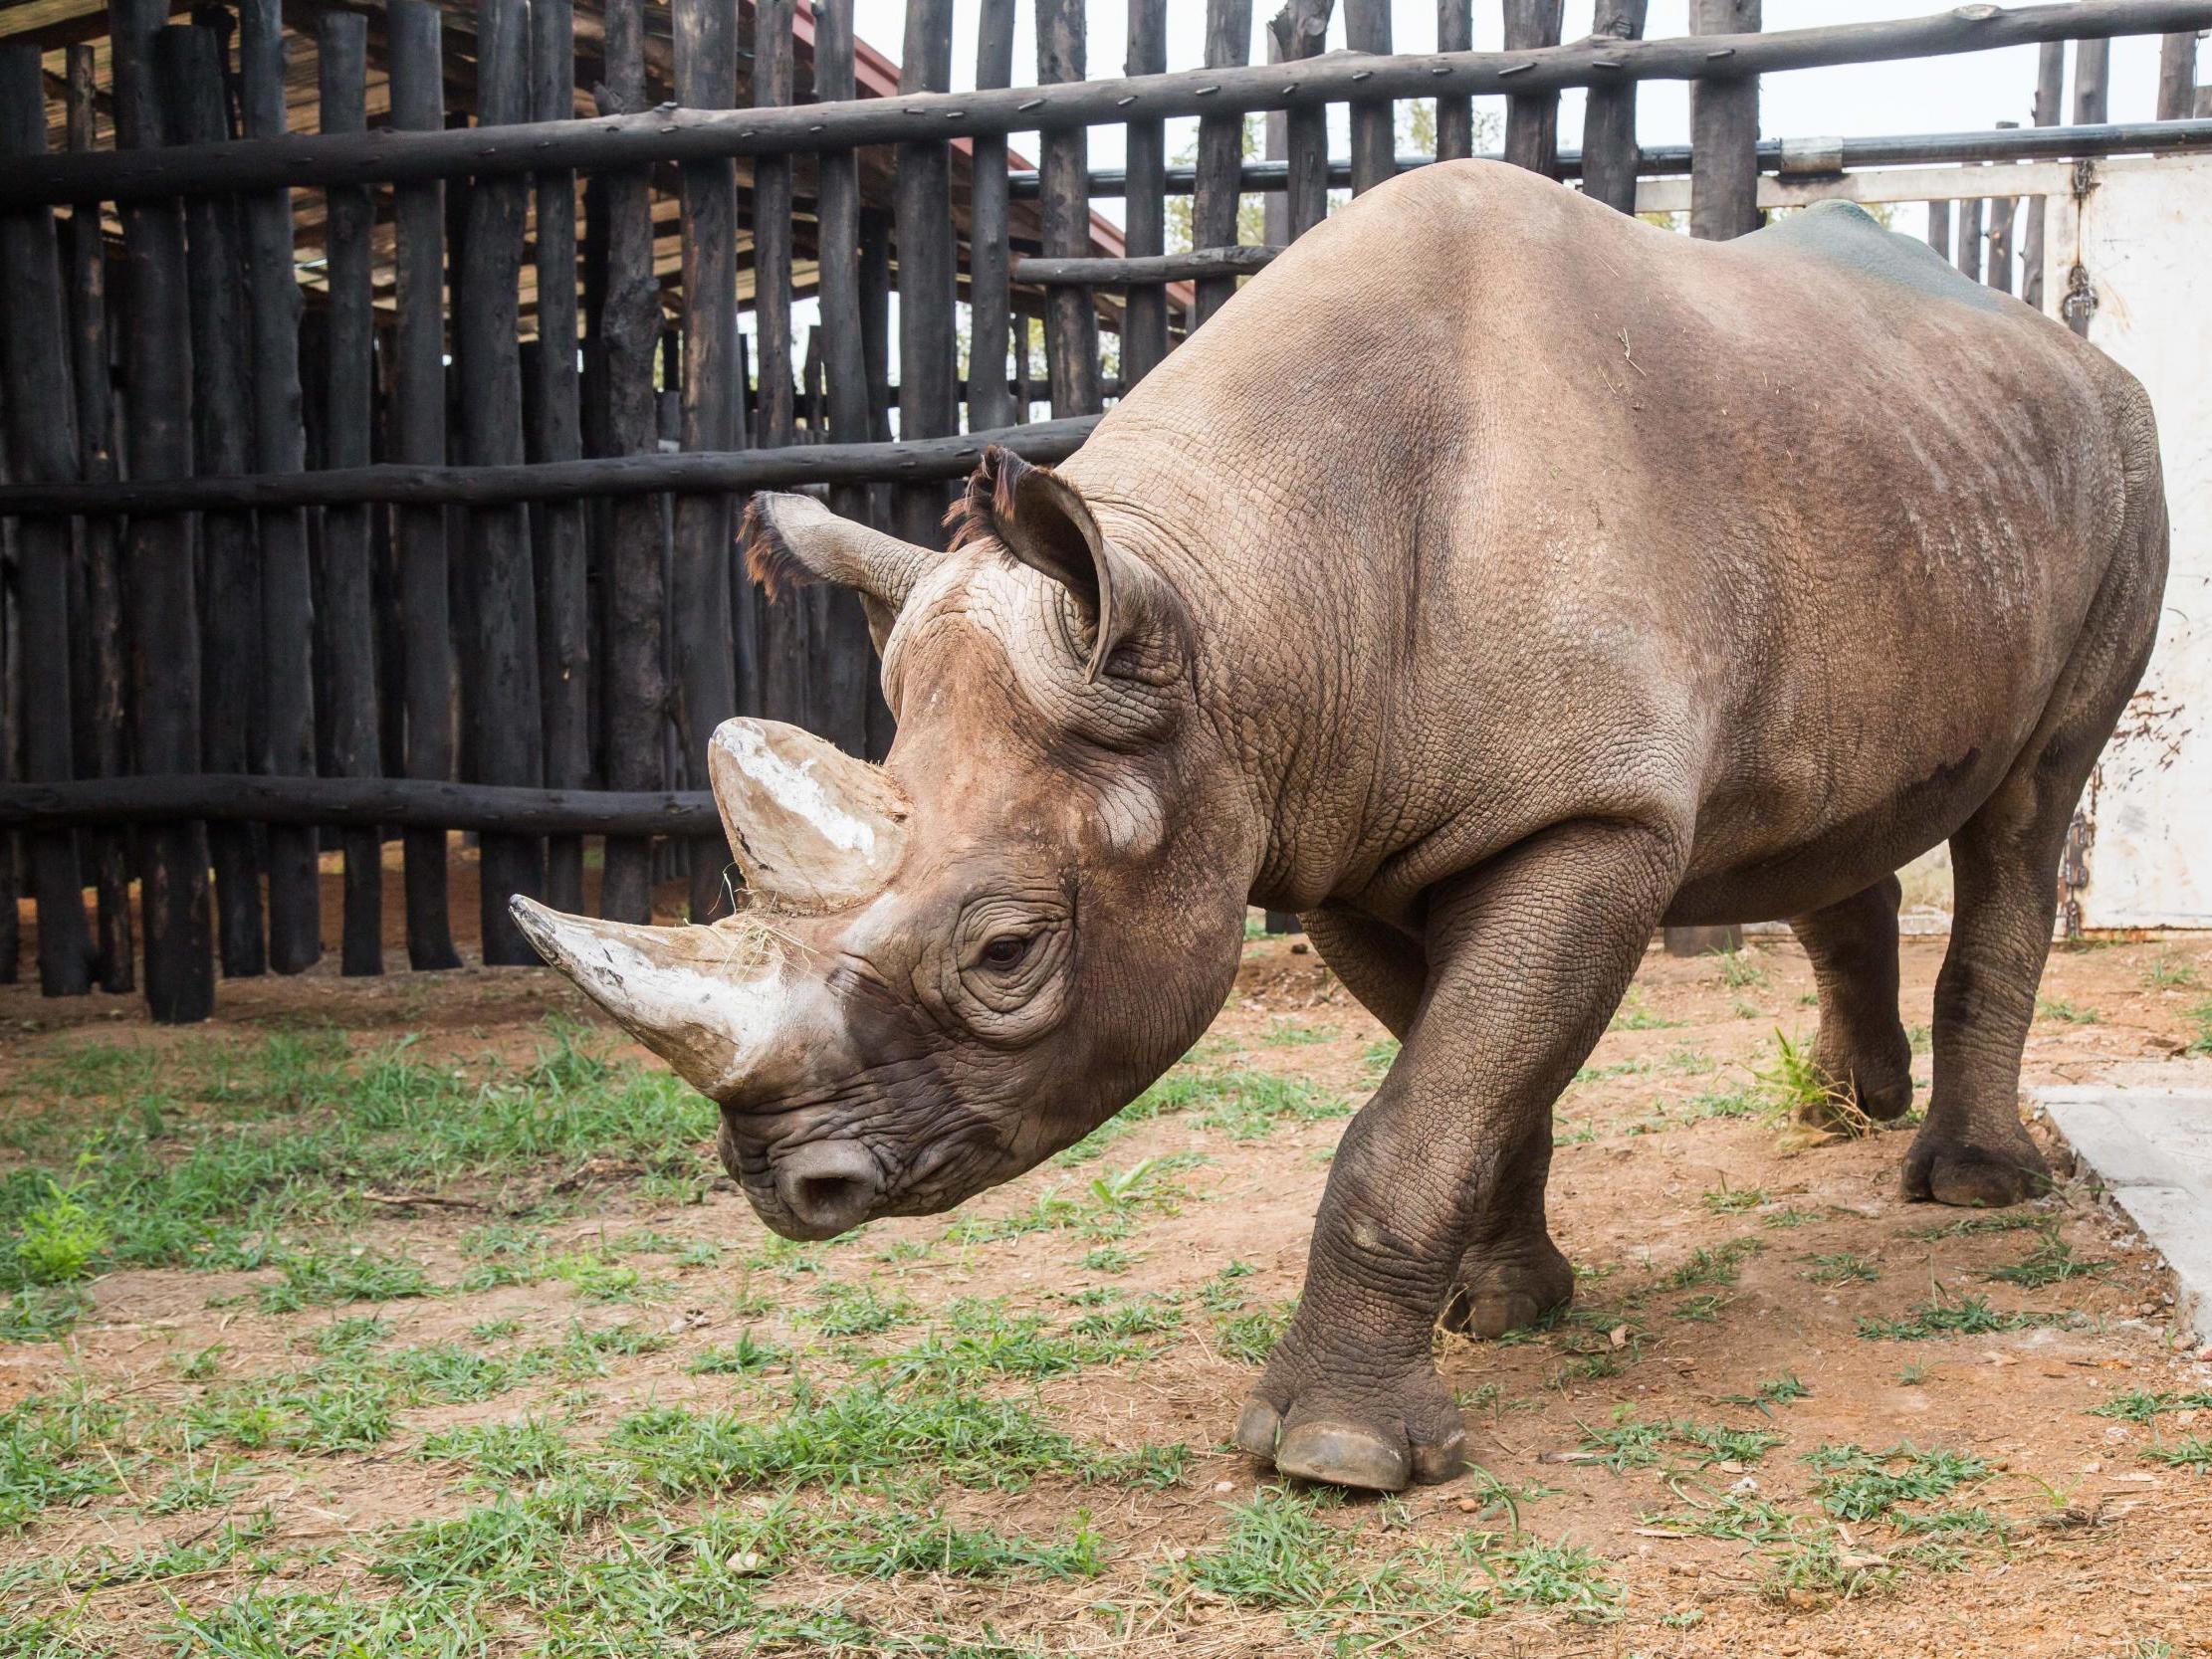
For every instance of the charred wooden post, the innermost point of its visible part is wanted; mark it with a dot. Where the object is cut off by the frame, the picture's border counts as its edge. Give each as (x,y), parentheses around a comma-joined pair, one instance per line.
(1220,170)
(98,690)
(191,67)
(1939,229)
(929,394)
(1063,175)
(626,333)
(1144,327)
(2049,97)
(1608,153)
(346,636)
(501,696)
(1533,118)
(848,656)
(287,586)
(35,388)
(1295,33)
(990,317)
(1375,119)
(2177,75)
(699,586)
(555,432)
(417,436)
(1724,133)
(1455,113)
(159,585)
(781,635)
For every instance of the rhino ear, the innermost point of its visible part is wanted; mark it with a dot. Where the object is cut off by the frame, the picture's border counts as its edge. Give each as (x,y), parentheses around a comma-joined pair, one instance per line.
(791,539)
(1043,522)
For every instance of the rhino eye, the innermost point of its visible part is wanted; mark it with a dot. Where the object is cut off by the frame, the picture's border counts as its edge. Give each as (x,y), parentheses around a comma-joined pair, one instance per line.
(1007,950)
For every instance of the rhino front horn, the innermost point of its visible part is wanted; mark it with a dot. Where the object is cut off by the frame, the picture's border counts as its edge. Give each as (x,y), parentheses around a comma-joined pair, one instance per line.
(717,1003)
(812,828)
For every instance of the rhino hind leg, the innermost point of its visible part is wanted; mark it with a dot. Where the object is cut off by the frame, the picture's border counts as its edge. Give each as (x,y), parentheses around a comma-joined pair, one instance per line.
(1509,1285)
(1862,1051)
(1973,1148)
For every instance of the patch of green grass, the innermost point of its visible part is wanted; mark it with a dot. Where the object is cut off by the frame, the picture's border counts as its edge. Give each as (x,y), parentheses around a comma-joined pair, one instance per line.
(2049,1263)
(1841,1268)
(1738,971)
(2194,1454)
(1855,1484)
(1636,1014)
(979,1338)
(1288,1033)
(739,1359)
(58,1239)
(1106,1258)
(1628,1442)
(1790,1216)
(55,1449)
(1733,1201)
(1969,1315)
(1377,1059)
(2143,1405)
(902,1541)
(1797,1091)
(2201,1017)
(1712,1264)
(1248,1337)
(42,1313)
(1970,1226)
(849,1310)
(1774,1390)
(2169,973)
(320,1278)
(191,1488)
(2066,1013)
(518,1449)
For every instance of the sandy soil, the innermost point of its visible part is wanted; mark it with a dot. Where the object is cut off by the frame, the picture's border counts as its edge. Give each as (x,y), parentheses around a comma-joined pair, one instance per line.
(2105,1552)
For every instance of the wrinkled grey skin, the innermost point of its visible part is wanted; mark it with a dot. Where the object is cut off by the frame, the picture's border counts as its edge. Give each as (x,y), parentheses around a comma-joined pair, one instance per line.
(1493,580)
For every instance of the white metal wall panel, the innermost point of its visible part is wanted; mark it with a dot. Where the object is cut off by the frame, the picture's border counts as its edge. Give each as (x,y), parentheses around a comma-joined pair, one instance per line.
(2142,236)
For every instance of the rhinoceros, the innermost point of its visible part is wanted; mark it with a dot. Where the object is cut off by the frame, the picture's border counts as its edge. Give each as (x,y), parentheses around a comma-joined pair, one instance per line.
(1494,580)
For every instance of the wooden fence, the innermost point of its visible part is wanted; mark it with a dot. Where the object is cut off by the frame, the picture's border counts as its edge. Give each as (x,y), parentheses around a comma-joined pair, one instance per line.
(381,477)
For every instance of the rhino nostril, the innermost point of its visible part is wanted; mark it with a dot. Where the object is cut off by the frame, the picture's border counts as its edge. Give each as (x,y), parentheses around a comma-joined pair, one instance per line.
(830,1187)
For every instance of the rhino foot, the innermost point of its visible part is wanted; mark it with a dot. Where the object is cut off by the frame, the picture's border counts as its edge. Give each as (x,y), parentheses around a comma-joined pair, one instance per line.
(1945,1170)
(1874,1074)
(1379,1441)
(1501,1289)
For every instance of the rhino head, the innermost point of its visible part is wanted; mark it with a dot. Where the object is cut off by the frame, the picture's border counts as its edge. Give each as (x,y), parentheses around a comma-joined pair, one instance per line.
(947,967)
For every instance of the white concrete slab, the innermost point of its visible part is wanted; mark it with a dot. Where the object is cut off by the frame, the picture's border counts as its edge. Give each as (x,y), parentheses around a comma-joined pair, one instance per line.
(2152,1150)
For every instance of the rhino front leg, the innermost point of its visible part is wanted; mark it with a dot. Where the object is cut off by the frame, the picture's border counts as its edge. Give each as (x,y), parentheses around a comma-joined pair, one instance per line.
(1528,956)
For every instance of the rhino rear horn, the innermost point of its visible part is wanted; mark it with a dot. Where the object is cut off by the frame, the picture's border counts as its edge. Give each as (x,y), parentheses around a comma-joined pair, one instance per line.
(812,827)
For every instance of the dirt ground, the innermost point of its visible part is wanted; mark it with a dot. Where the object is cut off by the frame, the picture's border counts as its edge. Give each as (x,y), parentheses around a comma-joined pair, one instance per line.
(1789,1415)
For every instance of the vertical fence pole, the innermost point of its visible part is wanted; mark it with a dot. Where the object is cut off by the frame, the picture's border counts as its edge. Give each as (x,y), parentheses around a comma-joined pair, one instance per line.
(784,639)
(1724,133)
(2003,214)
(1144,325)
(279,436)
(555,433)
(626,331)
(928,267)
(413,32)
(2093,64)
(502,704)
(2049,99)
(1939,229)
(1063,182)
(1455,115)
(191,68)
(2177,75)
(1300,31)
(98,630)
(1375,119)
(159,586)
(991,319)
(1970,238)
(848,656)
(346,618)
(1609,151)
(37,394)
(1221,169)
(707,78)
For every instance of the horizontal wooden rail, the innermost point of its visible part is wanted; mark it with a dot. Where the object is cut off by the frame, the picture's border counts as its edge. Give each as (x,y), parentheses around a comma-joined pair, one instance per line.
(401,802)
(670,134)
(702,471)
(1150,269)
(2027,144)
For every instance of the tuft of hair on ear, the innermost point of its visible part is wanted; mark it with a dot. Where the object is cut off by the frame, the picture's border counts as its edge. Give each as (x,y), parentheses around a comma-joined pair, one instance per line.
(768,558)
(989,492)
